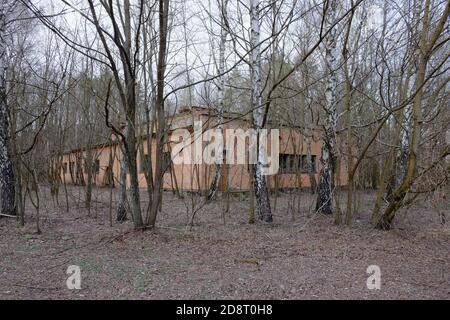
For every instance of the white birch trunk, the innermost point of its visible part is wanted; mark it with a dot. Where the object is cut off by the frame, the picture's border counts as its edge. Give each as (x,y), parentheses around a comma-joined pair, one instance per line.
(259,182)
(7,191)
(221,95)
(324,202)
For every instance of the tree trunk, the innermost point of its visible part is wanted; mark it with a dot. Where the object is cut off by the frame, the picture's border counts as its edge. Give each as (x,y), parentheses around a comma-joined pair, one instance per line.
(251,209)
(160,115)
(221,94)
(425,51)
(130,142)
(328,159)
(7,190)
(89,168)
(348,109)
(259,181)
(388,172)
(132,169)
(122,202)
(311,169)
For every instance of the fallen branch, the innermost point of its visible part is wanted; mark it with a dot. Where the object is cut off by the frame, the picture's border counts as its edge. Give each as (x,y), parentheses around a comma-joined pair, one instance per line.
(7,215)
(34,287)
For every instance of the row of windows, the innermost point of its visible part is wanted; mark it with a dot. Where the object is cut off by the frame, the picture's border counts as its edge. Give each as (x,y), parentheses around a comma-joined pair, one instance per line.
(289,163)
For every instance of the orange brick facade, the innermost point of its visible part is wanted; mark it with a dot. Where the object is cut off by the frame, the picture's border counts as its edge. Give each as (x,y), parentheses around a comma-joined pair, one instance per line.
(234,177)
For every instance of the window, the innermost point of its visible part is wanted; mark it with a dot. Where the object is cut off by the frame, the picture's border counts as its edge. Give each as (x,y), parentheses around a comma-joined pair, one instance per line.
(64,167)
(313,163)
(95,167)
(290,163)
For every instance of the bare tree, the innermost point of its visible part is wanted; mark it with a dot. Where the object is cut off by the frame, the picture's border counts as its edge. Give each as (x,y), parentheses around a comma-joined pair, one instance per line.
(161,136)
(221,92)
(123,41)
(7,182)
(426,44)
(328,159)
(259,181)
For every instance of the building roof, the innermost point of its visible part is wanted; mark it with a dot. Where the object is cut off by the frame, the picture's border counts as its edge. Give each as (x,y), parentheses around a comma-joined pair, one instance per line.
(184,118)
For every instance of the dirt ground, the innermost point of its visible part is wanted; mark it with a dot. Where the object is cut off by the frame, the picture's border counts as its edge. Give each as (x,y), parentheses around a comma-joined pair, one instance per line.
(300,256)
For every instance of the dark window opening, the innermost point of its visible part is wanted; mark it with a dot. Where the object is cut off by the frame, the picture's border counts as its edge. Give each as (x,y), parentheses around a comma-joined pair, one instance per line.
(291,163)
(313,162)
(95,169)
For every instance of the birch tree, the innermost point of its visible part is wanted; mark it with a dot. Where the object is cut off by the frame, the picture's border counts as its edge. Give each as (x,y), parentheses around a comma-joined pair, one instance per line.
(259,180)
(328,158)
(221,92)
(7,191)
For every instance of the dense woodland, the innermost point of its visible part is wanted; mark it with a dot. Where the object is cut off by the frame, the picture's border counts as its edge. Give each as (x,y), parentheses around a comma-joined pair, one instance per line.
(373,74)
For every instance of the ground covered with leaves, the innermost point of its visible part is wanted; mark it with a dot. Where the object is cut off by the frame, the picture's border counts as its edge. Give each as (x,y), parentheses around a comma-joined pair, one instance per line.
(301,256)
